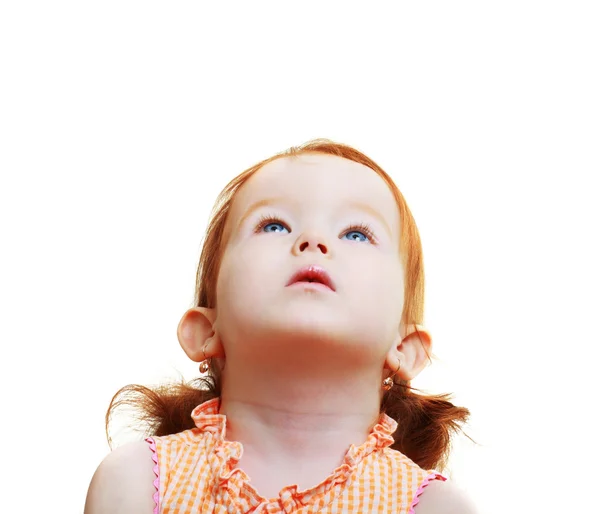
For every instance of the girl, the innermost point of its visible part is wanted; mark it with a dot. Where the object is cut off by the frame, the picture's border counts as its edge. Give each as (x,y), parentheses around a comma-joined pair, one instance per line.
(308,327)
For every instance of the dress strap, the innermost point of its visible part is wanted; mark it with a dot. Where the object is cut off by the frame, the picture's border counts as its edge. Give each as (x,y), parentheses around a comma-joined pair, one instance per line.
(152,445)
(428,479)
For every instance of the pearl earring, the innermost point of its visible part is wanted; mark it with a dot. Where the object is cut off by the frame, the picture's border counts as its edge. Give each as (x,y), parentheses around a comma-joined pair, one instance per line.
(389,381)
(204,366)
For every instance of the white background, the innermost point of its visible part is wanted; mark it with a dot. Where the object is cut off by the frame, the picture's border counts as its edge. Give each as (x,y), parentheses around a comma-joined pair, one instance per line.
(121,121)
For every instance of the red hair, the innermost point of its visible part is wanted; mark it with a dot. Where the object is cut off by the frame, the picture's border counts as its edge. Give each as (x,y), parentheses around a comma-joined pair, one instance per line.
(425,423)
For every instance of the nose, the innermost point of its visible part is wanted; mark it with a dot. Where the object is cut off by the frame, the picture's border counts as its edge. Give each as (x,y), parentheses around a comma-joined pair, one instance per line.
(310,241)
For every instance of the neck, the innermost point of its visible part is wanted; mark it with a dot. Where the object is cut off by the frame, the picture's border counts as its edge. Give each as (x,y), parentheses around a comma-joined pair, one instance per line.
(299,415)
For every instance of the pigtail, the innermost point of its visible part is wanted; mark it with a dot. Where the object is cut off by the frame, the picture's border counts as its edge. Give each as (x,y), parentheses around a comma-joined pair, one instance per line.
(426,424)
(162,410)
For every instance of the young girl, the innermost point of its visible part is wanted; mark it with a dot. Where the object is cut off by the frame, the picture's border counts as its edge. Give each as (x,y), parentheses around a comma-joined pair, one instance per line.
(308,327)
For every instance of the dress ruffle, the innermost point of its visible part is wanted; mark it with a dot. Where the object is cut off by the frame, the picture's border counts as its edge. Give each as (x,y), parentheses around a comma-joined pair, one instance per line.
(235,483)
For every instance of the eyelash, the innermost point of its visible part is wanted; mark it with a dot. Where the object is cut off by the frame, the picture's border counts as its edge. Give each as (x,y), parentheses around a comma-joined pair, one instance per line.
(362,227)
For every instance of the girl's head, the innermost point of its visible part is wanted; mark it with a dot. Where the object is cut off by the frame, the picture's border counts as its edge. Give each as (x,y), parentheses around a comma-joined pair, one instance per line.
(324,205)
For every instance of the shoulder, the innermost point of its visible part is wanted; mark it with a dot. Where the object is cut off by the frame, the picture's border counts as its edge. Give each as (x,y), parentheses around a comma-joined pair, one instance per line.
(444,497)
(123,482)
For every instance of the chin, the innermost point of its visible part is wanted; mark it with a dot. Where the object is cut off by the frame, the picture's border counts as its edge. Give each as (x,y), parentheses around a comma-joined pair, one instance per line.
(305,330)
(301,323)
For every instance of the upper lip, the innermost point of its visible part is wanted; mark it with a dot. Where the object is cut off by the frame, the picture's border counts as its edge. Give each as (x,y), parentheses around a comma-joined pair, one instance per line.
(312,273)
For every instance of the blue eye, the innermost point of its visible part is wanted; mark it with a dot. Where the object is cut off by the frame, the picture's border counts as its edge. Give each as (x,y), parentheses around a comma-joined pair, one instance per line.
(271,223)
(355,235)
(360,233)
(274,227)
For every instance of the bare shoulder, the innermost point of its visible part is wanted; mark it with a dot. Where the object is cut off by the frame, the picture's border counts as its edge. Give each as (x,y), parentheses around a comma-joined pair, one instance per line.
(441,497)
(123,482)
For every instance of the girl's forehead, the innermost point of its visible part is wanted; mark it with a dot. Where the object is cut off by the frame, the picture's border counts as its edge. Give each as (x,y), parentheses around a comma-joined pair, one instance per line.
(317,180)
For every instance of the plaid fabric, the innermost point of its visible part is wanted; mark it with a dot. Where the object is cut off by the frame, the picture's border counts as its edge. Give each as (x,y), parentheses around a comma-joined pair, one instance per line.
(196,473)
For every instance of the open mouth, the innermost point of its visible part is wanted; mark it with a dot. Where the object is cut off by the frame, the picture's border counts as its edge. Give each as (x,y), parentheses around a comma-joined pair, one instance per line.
(312,274)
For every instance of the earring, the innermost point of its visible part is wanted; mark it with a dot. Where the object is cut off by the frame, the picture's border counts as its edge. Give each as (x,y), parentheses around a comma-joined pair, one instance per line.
(204,366)
(389,381)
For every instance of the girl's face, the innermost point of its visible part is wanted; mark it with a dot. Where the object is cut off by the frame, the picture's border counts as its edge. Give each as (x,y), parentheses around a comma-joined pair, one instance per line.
(314,210)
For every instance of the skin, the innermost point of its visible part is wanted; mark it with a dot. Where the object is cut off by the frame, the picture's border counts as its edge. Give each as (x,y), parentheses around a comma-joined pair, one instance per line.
(303,367)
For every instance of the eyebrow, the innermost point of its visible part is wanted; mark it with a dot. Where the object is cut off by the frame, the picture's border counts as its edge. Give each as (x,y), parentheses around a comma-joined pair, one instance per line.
(257,205)
(373,212)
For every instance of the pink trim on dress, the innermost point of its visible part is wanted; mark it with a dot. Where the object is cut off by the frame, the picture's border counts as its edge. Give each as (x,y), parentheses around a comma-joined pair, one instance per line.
(428,479)
(152,444)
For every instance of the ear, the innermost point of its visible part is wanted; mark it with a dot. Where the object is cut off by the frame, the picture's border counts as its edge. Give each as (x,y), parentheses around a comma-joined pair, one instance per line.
(410,351)
(196,331)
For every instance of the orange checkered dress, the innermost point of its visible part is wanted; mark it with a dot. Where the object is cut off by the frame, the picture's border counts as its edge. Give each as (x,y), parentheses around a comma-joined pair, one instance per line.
(196,473)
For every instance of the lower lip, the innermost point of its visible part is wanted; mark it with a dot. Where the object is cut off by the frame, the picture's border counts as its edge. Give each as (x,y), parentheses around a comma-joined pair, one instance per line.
(311,285)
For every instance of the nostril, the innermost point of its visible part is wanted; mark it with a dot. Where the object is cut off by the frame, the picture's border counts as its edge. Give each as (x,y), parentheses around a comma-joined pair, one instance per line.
(320,246)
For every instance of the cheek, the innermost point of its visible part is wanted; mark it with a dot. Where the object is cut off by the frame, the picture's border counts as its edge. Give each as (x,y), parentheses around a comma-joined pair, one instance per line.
(244,279)
(249,270)
(231,302)
(383,277)
(380,292)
